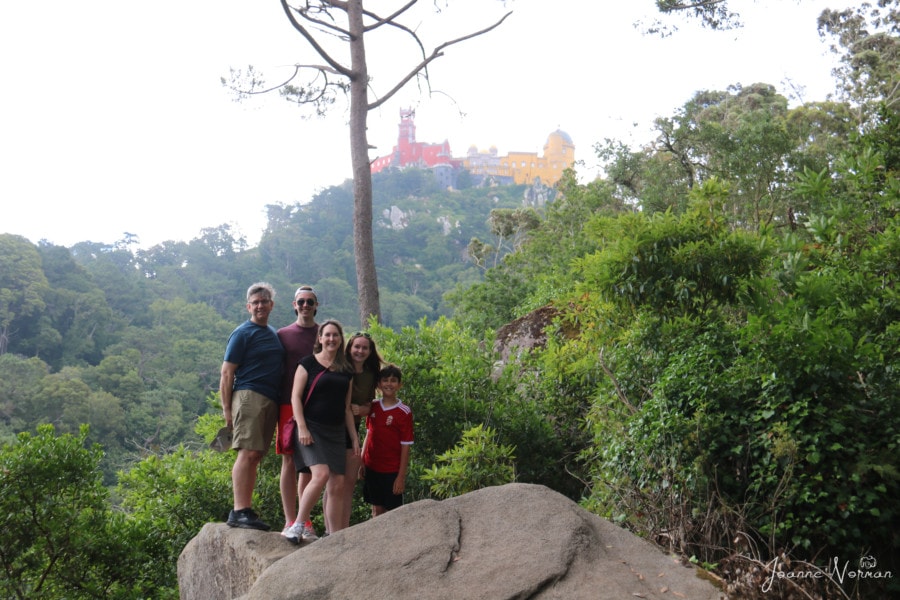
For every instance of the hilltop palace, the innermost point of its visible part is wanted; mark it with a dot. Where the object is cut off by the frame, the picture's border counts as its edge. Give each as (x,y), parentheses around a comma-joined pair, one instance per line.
(484,167)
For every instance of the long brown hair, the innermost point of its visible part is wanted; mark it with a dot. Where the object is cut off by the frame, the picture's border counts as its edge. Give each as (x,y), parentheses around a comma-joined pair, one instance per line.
(374,361)
(340,364)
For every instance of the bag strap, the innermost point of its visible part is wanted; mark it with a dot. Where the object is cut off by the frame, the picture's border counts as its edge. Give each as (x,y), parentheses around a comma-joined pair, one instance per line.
(313,386)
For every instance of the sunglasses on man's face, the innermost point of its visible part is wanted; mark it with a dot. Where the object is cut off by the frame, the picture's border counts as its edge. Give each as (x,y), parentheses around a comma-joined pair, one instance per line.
(307,301)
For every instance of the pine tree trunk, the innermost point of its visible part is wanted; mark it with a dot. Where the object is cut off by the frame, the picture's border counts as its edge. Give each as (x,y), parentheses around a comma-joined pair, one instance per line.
(363,246)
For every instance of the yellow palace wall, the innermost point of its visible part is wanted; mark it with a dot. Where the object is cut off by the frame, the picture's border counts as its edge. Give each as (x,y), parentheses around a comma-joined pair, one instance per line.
(525,167)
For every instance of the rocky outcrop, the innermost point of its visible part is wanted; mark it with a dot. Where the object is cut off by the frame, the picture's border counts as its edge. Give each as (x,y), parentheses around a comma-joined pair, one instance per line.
(513,541)
(524,334)
(223,562)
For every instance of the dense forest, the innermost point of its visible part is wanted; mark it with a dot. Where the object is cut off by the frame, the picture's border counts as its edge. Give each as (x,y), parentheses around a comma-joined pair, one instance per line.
(131,341)
(720,376)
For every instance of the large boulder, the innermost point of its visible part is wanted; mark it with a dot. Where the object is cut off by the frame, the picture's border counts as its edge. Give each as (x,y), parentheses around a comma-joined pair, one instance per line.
(512,541)
(524,334)
(222,562)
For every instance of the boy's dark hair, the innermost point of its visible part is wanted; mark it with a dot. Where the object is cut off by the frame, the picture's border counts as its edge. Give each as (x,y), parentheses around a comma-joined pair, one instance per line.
(390,371)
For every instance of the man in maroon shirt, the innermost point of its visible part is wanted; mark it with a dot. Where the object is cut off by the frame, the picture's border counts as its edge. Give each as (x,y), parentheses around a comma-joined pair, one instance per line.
(298,340)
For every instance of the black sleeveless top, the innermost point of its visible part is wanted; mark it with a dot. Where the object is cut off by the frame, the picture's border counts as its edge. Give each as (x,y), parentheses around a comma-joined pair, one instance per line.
(327,405)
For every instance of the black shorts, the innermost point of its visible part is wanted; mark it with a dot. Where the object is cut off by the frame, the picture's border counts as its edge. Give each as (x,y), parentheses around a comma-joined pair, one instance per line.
(378,490)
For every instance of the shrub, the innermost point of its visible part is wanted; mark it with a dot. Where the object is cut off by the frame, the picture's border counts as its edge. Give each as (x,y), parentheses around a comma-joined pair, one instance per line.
(478,461)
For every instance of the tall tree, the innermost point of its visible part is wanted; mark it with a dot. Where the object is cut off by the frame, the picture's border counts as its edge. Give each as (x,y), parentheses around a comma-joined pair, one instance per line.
(867,38)
(320,22)
(74,327)
(21,284)
(747,138)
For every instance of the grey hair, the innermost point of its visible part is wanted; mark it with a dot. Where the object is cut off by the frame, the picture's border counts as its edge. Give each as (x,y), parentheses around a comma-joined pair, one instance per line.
(261,287)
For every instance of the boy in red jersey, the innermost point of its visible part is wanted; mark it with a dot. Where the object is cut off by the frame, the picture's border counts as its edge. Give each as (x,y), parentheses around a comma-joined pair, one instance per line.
(389,435)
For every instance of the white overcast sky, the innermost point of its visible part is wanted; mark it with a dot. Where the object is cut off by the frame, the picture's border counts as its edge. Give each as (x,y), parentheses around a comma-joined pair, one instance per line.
(113,118)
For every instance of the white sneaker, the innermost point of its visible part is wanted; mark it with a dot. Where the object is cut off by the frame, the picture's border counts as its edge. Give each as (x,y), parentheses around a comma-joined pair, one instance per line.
(293,533)
(307,533)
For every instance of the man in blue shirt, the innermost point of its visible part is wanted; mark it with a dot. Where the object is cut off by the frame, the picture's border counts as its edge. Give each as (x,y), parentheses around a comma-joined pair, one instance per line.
(249,388)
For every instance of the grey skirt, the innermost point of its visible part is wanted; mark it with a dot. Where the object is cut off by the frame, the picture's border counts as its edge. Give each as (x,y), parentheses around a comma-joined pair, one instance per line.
(329,447)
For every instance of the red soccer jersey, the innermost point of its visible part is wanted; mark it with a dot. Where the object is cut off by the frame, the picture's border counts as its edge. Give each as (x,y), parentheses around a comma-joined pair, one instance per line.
(386,430)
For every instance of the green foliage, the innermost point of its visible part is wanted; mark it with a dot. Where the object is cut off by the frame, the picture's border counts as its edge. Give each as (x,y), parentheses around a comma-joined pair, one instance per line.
(450,382)
(546,442)
(722,380)
(748,139)
(885,138)
(739,135)
(74,327)
(59,537)
(172,496)
(20,380)
(678,265)
(821,131)
(651,180)
(754,410)
(510,228)
(446,382)
(491,303)
(715,15)
(865,38)
(420,234)
(763,426)
(478,461)
(177,493)
(539,270)
(401,308)
(116,271)
(336,300)
(22,285)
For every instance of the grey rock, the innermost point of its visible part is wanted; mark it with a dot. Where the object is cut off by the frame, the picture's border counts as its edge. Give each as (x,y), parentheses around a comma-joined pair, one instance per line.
(224,562)
(516,541)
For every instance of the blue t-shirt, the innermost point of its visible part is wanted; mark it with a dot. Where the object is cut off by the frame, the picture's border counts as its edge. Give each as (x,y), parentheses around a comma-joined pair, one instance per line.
(259,355)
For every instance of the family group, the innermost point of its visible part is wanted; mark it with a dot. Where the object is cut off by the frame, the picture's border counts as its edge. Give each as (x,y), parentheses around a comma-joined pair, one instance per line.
(309,389)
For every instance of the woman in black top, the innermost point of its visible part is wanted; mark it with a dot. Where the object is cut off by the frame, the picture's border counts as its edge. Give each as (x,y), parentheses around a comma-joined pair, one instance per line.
(321,403)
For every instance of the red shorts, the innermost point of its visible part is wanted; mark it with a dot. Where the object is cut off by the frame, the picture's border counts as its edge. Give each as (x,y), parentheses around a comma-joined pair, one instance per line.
(285,418)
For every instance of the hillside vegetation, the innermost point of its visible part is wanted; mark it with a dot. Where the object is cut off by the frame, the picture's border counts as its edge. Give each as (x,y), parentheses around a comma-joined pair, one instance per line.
(131,341)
